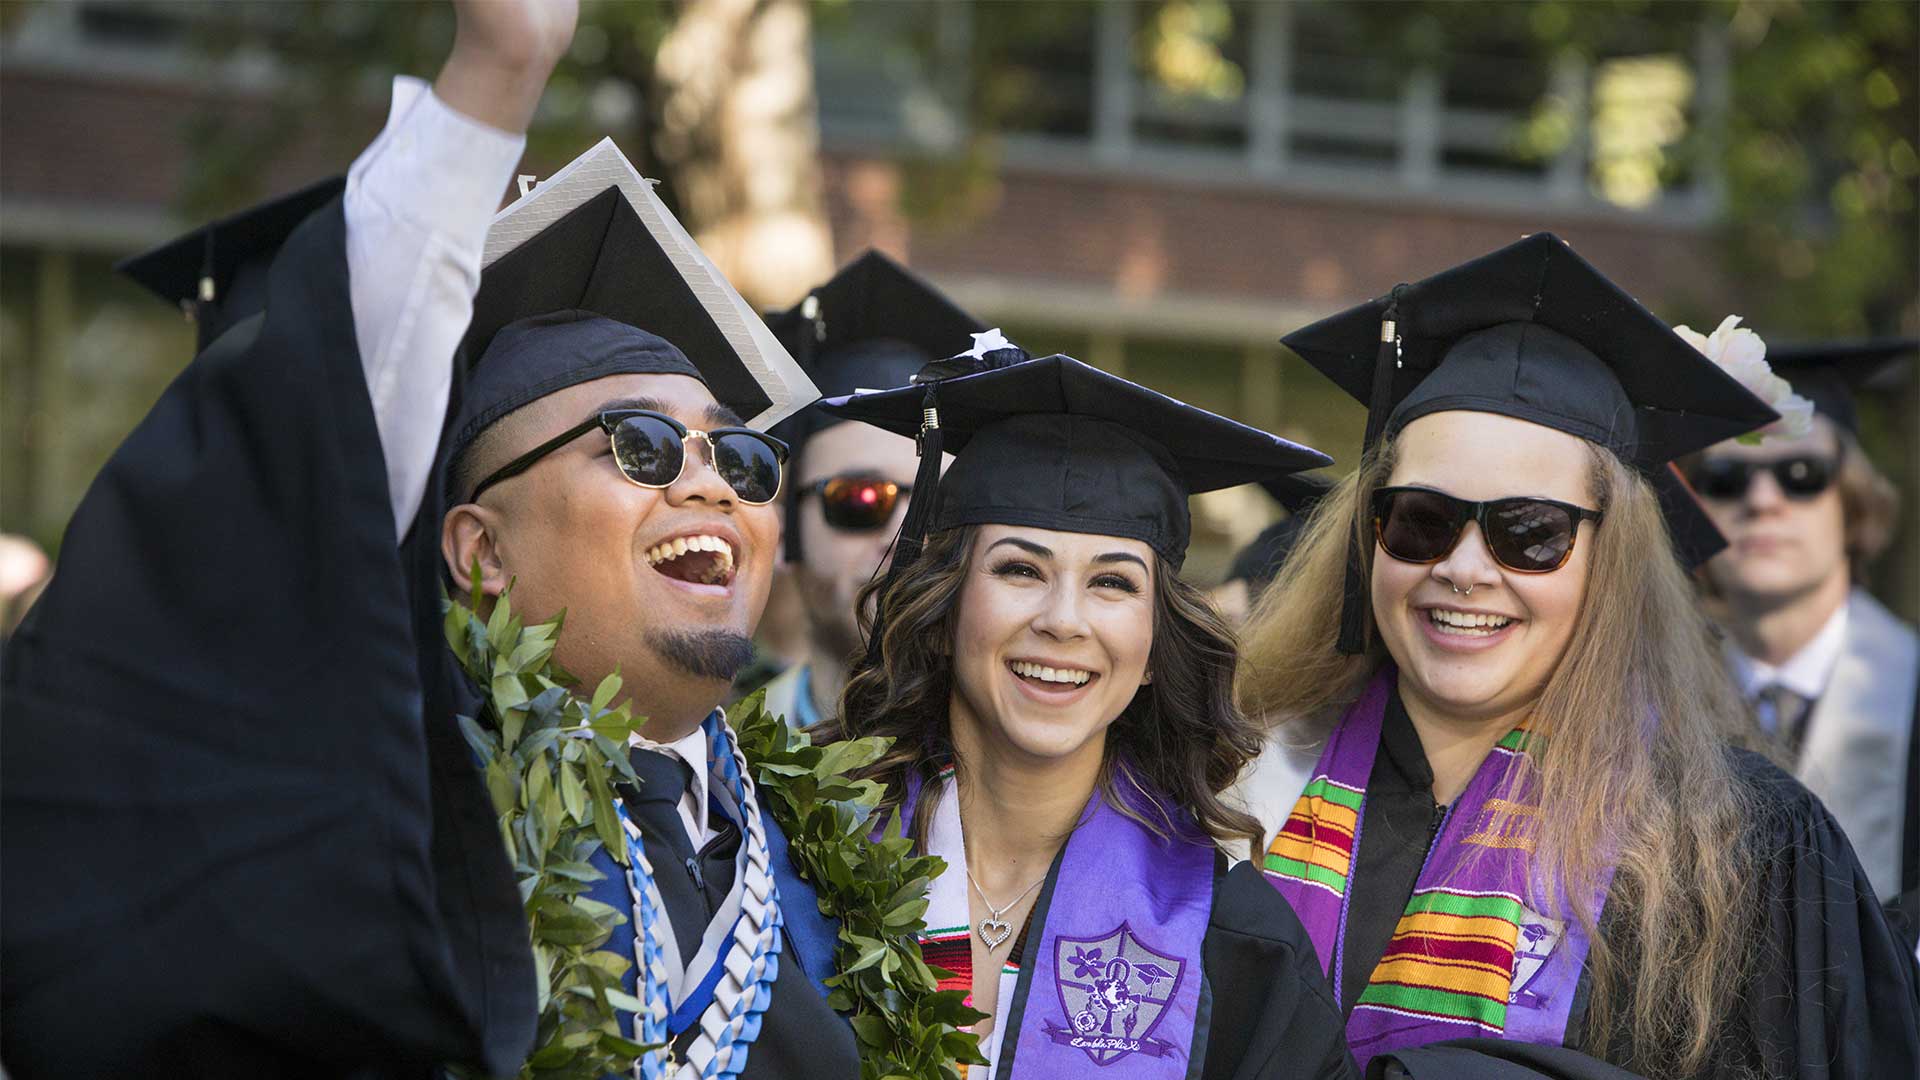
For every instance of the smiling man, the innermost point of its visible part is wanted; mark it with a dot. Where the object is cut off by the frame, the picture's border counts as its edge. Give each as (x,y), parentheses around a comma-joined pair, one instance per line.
(630,524)
(597,473)
(602,466)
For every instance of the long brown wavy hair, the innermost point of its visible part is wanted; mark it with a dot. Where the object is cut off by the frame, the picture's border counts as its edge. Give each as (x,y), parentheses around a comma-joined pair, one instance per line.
(1631,757)
(1182,734)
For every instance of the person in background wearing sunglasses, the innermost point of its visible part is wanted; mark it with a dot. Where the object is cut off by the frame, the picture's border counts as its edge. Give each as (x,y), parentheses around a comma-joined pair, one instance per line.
(1830,672)
(1060,708)
(1528,832)
(872,326)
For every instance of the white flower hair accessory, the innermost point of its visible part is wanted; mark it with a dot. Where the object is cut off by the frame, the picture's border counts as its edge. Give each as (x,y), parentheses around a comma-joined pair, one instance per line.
(1742,354)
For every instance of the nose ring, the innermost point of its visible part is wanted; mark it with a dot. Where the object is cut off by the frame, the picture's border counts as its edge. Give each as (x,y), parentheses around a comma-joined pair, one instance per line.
(1456,589)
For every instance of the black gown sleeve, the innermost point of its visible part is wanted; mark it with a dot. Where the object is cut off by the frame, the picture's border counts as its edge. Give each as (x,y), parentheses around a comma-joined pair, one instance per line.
(1834,992)
(242,835)
(1272,1013)
(1492,1059)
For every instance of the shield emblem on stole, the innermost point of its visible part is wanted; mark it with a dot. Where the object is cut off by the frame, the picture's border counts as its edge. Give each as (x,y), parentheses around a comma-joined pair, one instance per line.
(1114,989)
(1537,937)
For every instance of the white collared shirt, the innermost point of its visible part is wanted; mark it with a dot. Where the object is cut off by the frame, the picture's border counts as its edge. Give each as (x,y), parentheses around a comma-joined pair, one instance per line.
(418,204)
(693,805)
(1806,672)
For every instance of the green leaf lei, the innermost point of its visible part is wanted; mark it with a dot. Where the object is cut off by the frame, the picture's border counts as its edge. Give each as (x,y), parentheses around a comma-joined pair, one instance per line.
(547,757)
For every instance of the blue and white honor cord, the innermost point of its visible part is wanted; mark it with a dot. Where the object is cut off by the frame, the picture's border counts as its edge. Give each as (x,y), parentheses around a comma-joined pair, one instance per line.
(730,1021)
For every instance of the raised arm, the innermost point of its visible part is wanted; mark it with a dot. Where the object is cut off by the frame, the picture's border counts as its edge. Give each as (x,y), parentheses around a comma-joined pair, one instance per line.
(417,206)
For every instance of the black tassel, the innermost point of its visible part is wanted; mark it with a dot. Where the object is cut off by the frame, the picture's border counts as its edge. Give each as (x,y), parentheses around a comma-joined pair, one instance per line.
(1353,606)
(920,510)
(1386,365)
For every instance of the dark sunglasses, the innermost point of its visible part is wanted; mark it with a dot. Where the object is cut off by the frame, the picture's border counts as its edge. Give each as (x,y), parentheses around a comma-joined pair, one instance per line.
(1526,535)
(857,502)
(651,450)
(1799,477)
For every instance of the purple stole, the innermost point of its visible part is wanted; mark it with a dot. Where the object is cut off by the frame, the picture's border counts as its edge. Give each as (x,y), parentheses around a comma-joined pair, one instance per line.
(1469,956)
(1114,988)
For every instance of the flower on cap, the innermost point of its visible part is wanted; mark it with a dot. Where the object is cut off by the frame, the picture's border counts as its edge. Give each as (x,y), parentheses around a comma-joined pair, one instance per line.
(987,342)
(991,351)
(1742,354)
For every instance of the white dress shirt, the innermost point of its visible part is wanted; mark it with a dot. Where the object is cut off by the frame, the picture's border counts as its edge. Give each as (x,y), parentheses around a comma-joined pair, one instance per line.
(418,204)
(1806,672)
(694,803)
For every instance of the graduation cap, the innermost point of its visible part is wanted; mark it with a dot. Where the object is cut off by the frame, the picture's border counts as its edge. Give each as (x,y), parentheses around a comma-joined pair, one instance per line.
(217,274)
(590,275)
(1299,493)
(1829,372)
(873,325)
(1055,444)
(1535,332)
(1258,562)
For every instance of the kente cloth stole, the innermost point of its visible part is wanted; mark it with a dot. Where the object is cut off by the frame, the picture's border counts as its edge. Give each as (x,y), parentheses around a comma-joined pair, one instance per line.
(723,989)
(1114,990)
(1471,955)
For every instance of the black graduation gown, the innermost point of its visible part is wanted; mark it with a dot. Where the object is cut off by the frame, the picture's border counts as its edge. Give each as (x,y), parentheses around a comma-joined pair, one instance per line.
(1266,1011)
(243,836)
(1833,995)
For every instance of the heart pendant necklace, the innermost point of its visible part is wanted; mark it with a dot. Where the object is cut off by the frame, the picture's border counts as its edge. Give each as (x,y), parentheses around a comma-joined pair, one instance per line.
(993,929)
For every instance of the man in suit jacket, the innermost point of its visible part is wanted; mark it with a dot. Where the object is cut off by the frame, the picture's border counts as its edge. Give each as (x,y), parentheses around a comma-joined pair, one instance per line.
(1830,671)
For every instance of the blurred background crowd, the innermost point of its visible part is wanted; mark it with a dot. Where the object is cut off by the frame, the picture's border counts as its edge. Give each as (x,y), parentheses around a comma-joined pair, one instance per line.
(1161,188)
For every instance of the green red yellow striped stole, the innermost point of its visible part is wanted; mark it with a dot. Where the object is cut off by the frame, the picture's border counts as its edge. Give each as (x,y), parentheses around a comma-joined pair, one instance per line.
(951,947)
(1315,845)
(1467,956)
(1451,957)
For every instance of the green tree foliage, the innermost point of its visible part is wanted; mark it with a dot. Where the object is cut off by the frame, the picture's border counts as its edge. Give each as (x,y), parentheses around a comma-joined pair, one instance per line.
(1819,156)
(550,760)
(333,61)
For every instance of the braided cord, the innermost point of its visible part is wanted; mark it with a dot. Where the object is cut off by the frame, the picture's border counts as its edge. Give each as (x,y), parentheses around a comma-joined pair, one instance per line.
(726,1035)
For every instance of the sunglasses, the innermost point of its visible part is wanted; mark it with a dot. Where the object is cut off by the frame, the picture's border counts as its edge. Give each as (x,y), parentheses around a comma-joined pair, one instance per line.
(857,502)
(1799,477)
(651,450)
(1526,535)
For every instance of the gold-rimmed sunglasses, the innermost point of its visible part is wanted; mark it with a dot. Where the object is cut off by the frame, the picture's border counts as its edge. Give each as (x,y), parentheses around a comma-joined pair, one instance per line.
(651,450)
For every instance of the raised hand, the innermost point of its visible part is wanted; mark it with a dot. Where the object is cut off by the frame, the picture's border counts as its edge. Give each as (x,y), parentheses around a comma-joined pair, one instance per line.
(503,53)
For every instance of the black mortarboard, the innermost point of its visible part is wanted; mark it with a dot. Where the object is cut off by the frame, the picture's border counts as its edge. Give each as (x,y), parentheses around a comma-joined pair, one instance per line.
(217,273)
(1055,444)
(589,275)
(1828,373)
(1258,562)
(872,326)
(1535,332)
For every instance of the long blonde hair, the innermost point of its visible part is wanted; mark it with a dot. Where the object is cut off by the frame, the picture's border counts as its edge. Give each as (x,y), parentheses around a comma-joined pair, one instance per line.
(1631,759)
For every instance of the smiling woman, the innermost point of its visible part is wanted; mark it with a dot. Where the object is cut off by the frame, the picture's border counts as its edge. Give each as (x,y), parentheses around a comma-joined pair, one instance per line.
(1529,833)
(1063,723)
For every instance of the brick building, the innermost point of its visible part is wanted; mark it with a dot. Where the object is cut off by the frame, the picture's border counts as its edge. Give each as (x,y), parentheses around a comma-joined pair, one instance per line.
(1163,220)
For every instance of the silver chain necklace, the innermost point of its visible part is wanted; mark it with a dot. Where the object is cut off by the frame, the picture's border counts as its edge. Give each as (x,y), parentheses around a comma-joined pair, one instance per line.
(993,929)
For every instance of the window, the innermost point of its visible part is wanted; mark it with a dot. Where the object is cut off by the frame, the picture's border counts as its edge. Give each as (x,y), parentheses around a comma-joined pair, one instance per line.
(1303,93)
